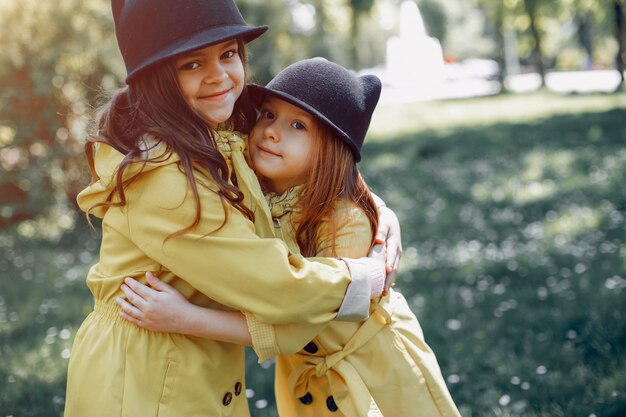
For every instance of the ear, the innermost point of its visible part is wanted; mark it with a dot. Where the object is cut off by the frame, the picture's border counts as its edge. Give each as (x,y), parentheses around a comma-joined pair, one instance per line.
(117,6)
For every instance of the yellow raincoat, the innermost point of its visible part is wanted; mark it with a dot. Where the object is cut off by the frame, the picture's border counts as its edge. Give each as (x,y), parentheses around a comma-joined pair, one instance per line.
(379,367)
(119,369)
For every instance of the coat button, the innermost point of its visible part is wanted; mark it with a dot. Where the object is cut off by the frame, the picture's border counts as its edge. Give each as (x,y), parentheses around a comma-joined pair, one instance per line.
(306,399)
(228,397)
(330,403)
(237,388)
(310,348)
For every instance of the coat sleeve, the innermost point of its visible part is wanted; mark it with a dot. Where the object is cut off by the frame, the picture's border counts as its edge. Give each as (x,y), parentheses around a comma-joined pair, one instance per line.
(222,256)
(352,241)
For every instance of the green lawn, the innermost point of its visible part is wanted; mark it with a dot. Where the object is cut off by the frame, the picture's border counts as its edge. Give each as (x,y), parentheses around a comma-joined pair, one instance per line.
(512,211)
(513,223)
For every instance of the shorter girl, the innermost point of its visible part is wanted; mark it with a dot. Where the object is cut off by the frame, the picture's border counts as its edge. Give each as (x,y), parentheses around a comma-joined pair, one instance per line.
(304,147)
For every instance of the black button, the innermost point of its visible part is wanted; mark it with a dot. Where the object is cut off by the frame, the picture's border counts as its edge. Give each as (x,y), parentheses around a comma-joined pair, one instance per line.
(310,348)
(228,397)
(330,403)
(237,388)
(306,399)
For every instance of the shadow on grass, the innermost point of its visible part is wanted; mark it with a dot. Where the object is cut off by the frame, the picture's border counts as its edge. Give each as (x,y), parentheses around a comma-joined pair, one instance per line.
(514,258)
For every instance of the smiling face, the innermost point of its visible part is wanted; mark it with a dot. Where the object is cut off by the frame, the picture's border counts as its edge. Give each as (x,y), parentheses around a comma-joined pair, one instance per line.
(281,144)
(211,80)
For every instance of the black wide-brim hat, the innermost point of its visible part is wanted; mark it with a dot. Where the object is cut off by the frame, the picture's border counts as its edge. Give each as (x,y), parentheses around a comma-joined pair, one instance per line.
(151,31)
(338,98)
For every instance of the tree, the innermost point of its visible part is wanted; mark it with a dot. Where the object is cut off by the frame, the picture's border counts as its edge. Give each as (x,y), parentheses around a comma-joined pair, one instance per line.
(321,47)
(55,58)
(607,18)
(358,8)
(497,11)
(526,17)
(532,9)
(267,52)
(620,35)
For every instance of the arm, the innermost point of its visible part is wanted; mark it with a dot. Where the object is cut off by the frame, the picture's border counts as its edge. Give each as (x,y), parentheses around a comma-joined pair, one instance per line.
(163,309)
(247,272)
(352,239)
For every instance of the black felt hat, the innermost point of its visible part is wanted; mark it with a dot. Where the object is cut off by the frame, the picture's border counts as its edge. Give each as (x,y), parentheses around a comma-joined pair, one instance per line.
(331,93)
(150,31)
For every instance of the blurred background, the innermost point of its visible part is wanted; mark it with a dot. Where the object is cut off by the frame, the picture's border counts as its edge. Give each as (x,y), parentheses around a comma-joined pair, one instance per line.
(499,142)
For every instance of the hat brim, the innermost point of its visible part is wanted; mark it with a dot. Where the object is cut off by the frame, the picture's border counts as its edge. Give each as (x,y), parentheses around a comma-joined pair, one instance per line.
(201,39)
(258,94)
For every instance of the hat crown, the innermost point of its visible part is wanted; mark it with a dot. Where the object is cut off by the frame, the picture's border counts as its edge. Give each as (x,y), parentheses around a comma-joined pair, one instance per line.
(333,94)
(149,31)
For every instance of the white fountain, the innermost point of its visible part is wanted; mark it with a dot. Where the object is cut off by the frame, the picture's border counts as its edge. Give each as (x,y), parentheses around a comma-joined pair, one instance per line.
(414,60)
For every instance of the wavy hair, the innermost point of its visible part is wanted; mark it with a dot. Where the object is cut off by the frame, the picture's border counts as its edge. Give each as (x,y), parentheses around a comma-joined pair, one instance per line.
(153,105)
(334,175)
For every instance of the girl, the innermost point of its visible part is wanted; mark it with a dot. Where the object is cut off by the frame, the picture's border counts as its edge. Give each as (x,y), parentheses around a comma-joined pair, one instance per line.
(305,145)
(176,197)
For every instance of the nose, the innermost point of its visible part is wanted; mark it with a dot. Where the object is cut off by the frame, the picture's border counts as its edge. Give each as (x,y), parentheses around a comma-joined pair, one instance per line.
(215,73)
(271,131)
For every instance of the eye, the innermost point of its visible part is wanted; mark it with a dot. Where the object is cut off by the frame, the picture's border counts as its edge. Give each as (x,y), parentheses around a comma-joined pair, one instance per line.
(266,114)
(298,125)
(188,66)
(229,54)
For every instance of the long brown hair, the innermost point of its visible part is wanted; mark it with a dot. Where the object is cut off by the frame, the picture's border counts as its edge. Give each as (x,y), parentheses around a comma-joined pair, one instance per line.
(153,105)
(334,175)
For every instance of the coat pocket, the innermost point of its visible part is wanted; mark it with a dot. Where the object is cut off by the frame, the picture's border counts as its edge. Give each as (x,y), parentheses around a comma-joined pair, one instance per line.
(167,390)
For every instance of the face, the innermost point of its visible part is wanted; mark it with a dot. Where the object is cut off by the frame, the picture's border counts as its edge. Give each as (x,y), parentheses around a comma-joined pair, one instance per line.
(212,80)
(281,144)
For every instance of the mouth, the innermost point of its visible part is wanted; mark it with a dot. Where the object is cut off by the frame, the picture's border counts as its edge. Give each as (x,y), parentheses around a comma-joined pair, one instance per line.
(266,151)
(216,96)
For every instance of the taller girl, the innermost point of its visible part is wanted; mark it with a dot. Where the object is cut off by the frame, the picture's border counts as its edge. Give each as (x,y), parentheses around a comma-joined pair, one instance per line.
(176,197)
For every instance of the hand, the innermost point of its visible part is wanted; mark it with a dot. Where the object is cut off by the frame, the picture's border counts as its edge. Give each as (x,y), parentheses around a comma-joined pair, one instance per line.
(388,233)
(159,307)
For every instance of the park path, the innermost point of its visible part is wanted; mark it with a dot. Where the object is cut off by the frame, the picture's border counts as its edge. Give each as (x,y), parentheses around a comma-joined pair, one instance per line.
(595,81)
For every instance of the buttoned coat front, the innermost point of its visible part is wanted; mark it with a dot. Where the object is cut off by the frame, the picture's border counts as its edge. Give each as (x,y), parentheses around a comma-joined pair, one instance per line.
(119,369)
(379,367)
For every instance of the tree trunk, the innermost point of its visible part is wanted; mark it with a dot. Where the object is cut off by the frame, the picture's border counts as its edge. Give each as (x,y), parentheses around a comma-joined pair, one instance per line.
(320,47)
(354,40)
(585,38)
(501,55)
(619,33)
(537,51)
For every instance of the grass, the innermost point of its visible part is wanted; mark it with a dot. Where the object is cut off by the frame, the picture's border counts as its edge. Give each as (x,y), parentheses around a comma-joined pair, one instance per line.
(396,120)
(513,214)
(513,222)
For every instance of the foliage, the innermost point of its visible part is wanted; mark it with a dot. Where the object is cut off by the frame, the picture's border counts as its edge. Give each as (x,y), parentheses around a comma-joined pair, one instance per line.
(49,71)
(435,19)
(564,34)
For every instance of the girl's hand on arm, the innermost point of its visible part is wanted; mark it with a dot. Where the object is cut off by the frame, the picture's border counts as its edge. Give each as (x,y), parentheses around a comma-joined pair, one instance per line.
(160,308)
(388,233)
(163,309)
